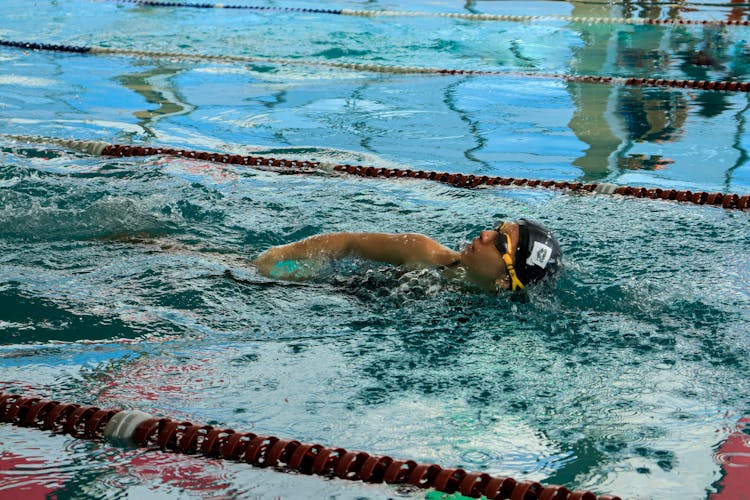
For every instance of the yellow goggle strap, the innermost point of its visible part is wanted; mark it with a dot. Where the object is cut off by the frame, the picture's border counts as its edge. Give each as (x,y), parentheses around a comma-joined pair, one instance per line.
(515,283)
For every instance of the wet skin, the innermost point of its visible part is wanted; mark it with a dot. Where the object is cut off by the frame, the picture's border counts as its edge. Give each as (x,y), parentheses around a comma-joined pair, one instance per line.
(483,261)
(480,262)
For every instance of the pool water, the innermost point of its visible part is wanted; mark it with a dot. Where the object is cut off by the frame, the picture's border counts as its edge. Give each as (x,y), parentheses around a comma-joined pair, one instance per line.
(127,282)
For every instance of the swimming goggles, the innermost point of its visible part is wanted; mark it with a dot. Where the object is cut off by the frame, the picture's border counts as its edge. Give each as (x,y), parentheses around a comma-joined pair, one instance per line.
(503,245)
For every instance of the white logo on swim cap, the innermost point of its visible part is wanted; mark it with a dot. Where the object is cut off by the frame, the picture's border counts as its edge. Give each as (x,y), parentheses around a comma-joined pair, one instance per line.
(540,255)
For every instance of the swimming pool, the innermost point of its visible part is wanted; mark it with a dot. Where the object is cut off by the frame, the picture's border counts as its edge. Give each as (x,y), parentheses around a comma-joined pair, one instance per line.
(624,379)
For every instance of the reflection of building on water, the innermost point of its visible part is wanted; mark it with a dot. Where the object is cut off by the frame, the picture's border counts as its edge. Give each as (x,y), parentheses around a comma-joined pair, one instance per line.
(156,87)
(611,120)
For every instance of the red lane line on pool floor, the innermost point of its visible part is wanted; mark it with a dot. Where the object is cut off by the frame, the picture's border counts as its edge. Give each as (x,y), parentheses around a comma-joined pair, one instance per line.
(734,457)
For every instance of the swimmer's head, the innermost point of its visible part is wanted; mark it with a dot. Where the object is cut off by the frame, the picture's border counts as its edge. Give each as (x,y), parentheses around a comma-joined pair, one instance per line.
(512,256)
(537,254)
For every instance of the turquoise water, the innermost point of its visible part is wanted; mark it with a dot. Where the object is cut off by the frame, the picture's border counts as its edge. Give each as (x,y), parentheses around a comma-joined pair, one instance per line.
(114,289)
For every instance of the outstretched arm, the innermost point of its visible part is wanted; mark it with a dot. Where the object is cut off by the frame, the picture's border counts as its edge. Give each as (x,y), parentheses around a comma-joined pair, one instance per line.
(395,249)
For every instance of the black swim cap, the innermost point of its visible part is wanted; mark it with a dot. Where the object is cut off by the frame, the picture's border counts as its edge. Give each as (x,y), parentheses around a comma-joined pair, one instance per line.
(538,253)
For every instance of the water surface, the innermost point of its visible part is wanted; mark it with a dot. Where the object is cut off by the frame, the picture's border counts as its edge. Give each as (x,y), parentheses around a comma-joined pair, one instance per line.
(127,283)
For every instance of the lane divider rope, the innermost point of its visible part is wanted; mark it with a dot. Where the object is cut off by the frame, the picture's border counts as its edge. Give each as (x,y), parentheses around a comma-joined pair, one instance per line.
(727,86)
(451,15)
(470,181)
(139,429)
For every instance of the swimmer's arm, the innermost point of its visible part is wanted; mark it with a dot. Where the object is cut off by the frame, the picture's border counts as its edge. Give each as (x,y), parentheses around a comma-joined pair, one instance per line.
(395,249)
(400,249)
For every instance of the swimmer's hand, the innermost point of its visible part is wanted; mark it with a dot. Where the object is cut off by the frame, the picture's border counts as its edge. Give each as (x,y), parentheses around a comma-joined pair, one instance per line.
(291,269)
(296,270)
(288,263)
(267,261)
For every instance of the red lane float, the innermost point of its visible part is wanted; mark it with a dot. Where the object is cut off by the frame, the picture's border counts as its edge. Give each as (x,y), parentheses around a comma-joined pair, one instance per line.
(286,166)
(133,427)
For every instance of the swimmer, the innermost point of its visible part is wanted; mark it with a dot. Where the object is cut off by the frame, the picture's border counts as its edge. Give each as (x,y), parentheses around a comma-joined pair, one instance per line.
(512,256)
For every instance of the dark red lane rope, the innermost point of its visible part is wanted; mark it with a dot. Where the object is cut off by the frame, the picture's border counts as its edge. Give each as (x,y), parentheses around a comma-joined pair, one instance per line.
(151,3)
(287,166)
(165,434)
(725,200)
(662,82)
(729,201)
(723,86)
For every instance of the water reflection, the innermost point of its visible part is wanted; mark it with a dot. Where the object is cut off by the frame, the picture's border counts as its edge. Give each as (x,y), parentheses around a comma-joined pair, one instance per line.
(473,125)
(612,120)
(618,129)
(156,87)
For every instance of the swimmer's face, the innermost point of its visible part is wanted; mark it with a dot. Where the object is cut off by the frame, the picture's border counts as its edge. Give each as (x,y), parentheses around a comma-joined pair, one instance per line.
(484,262)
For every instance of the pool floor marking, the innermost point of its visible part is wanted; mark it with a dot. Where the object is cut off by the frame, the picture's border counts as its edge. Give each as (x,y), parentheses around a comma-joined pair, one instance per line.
(727,86)
(136,428)
(286,166)
(734,457)
(451,15)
